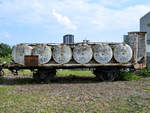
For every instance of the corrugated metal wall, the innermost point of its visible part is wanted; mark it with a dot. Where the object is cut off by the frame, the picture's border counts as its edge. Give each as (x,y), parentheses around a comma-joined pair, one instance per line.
(145,27)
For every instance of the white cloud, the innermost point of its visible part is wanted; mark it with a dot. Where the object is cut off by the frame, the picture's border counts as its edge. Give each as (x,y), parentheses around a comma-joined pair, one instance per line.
(94,18)
(127,18)
(80,11)
(64,20)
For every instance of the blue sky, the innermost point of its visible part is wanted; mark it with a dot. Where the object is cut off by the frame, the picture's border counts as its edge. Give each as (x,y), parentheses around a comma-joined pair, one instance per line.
(46,21)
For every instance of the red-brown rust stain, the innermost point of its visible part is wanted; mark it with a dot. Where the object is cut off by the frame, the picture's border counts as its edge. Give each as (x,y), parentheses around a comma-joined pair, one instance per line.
(135,50)
(140,66)
(62,44)
(82,43)
(139,33)
(31,60)
(62,50)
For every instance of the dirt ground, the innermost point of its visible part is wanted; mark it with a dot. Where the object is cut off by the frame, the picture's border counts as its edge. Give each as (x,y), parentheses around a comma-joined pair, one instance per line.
(74,95)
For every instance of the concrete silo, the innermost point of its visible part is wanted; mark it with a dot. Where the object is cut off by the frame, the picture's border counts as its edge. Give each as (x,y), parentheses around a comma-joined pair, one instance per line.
(145,27)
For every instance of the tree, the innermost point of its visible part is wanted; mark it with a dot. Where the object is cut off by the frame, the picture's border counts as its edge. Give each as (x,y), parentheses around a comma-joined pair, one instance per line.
(5,50)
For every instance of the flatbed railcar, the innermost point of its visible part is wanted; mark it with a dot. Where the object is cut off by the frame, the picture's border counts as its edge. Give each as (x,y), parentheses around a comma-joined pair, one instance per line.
(104,59)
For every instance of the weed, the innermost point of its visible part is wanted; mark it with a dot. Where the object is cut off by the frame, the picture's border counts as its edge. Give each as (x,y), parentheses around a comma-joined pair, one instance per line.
(146,89)
(145,72)
(127,76)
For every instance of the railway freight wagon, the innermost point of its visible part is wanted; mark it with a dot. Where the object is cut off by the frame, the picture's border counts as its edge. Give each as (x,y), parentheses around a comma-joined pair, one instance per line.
(105,59)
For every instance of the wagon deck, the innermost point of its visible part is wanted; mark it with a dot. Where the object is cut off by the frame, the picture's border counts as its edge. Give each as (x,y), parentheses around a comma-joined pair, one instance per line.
(105,59)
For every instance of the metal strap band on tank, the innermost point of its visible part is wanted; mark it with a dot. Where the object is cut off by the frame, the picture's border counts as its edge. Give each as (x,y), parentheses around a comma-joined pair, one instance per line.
(135,50)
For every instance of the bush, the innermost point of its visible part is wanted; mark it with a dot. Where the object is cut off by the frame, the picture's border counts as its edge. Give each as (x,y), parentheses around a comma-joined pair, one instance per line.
(5,59)
(145,72)
(127,76)
(5,50)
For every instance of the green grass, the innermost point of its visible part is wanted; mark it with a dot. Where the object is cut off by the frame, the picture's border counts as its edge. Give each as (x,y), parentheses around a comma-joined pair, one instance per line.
(62,73)
(16,99)
(74,72)
(147,89)
(24,72)
(17,102)
(6,71)
(132,104)
(125,76)
(5,89)
(29,98)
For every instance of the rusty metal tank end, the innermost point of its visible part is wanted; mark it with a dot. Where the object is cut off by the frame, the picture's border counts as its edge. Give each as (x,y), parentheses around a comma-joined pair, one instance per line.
(82,53)
(103,53)
(43,52)
(123,53)
(19,52)
(62,54)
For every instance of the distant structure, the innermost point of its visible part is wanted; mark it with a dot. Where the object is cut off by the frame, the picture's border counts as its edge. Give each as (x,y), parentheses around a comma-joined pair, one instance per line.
(68,39)
(145,27)
(86,41)
(125,37)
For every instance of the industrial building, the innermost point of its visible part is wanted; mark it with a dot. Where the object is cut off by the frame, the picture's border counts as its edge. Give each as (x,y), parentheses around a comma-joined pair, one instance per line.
(145,27)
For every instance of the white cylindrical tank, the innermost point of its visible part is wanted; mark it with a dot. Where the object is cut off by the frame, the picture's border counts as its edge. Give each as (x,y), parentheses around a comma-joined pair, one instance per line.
(102,53)
(62,54)
(123,53)
(19,52)
(82,53)
(43,52)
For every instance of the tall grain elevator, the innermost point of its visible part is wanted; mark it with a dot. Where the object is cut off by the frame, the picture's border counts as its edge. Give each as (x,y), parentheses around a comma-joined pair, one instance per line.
(145,27)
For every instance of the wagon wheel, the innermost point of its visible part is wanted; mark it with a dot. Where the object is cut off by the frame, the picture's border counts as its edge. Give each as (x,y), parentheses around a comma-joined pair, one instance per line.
(105,75)
(2,73)
(44,75)
(36,77)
